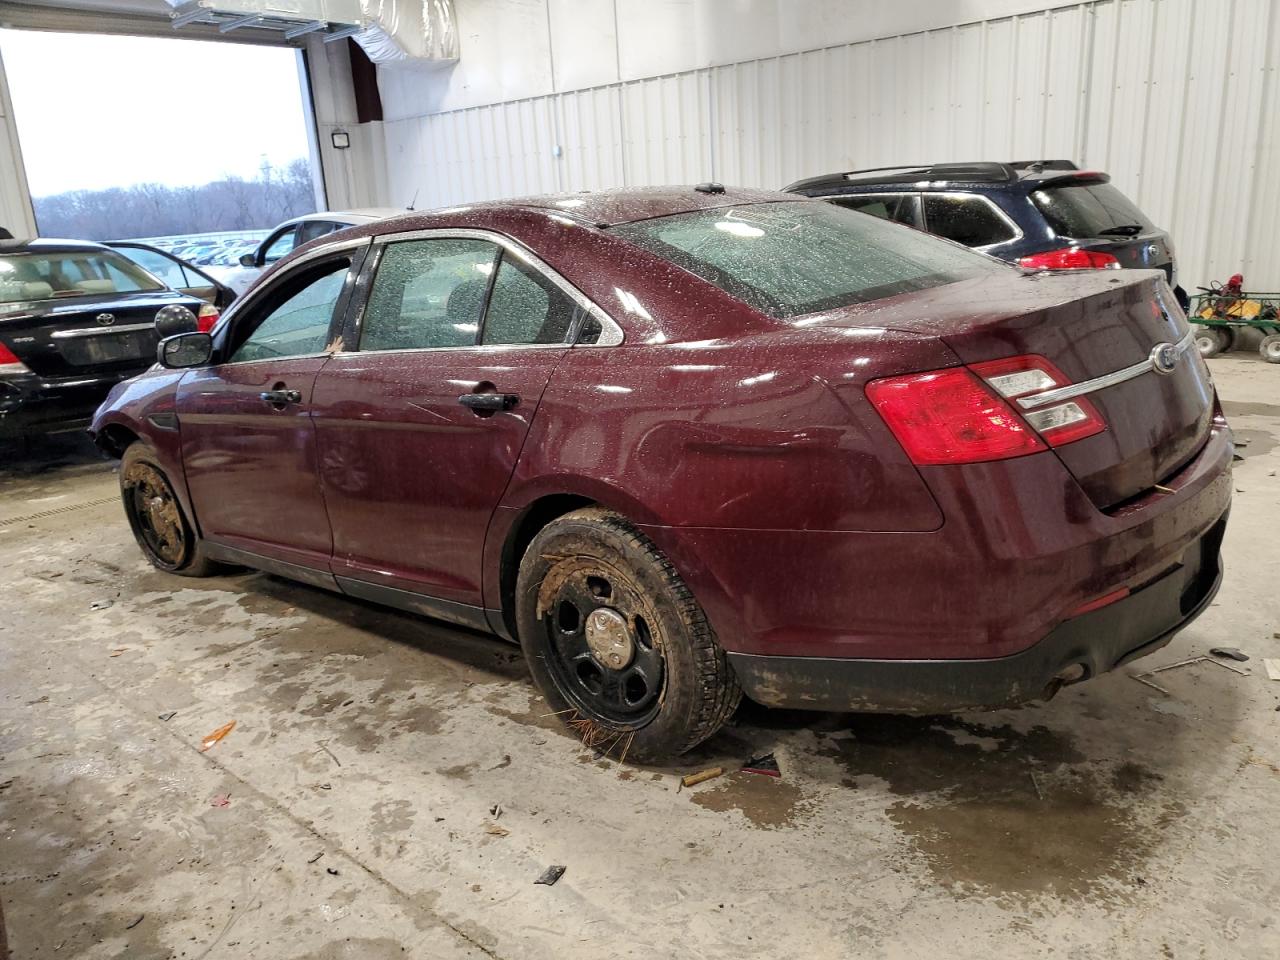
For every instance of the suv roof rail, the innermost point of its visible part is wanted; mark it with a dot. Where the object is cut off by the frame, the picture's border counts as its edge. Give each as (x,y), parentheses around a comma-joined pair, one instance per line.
(1037,166)
(976,172)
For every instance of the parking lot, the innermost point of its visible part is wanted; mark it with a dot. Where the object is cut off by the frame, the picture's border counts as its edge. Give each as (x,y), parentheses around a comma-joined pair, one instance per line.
(394,786)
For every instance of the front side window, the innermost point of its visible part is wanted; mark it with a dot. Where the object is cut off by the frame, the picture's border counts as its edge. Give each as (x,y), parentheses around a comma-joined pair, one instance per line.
(966,219)
(790,259)
(428,293)
(281,245)
(54,276)
(526,307)
(298,325)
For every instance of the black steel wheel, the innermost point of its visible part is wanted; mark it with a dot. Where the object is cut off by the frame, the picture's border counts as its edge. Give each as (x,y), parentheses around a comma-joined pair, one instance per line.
(616,641)
(155,515)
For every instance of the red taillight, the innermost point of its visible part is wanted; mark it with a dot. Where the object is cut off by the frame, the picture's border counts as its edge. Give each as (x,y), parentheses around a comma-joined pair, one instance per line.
(950,416)
(1021,378)
(9,359)
(1070,258)
(973,414)
(206,318)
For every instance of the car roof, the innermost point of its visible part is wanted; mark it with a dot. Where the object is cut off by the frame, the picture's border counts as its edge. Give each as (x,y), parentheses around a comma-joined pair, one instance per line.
(358,215)
(996,175)
(42,245)
(608,208)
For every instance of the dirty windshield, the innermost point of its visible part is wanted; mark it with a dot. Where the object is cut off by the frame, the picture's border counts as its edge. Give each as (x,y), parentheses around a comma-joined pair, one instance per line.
(789,259)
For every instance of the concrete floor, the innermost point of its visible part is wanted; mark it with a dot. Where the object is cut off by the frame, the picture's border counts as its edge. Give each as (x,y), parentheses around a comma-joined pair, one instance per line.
(1114,821)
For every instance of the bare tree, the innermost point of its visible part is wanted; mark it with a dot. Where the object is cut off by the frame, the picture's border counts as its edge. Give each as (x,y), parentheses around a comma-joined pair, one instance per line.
(153,209)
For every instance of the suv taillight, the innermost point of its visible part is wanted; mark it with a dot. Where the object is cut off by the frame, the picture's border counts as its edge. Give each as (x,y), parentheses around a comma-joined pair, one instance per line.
(964,415)
(1070,258)
(206,318)
(9,362)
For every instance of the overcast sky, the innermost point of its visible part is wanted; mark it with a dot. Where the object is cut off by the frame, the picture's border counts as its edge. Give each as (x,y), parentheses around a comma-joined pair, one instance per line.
(99,111)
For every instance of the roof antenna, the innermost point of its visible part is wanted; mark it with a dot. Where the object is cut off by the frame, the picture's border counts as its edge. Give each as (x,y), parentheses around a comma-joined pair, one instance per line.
(413,203)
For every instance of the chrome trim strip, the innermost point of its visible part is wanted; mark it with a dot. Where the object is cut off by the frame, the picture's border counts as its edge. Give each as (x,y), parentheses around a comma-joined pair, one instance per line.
(1058,395)
(610,332)
(100,331)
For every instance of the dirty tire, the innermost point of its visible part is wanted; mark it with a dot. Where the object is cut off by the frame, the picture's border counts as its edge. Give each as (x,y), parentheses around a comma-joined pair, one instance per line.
(1212,341)
(671,687)
(1269,348)
(156,518)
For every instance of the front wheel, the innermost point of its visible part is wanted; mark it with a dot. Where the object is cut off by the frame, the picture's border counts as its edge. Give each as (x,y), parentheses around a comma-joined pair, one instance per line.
(616,641)
(155,515)
(1270,348)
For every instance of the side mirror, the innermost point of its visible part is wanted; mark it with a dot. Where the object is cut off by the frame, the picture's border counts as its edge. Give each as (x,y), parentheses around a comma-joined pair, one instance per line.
(248,259)
(175,319)
(185,350)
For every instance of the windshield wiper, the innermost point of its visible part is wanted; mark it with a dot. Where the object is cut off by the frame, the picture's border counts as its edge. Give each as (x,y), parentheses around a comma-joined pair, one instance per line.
(1124,230)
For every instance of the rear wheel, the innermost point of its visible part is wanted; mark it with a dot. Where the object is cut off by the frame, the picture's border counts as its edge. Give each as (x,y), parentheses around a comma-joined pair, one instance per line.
(617,643)
(1211,341)
(1270,348)
(155,515)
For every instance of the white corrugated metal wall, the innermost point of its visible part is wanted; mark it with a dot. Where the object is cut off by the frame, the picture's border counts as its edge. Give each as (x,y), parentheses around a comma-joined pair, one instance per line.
(1178,99)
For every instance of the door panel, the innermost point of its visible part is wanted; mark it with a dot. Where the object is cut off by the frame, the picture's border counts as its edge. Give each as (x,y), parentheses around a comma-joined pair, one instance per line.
(250,463)
(411,476)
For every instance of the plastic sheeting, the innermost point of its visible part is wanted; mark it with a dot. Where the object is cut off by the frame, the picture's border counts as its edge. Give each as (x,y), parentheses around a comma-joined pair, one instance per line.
(409,29)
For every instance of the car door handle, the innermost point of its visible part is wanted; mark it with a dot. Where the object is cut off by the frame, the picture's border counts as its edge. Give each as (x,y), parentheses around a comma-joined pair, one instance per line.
(280,396)
(489,402)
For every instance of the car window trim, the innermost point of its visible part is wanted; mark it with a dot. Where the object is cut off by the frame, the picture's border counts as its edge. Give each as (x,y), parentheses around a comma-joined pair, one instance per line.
(964,195)
(358,252)
(610,334)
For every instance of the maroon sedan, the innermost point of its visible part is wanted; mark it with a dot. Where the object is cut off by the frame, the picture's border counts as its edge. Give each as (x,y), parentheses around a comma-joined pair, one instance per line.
(687,443)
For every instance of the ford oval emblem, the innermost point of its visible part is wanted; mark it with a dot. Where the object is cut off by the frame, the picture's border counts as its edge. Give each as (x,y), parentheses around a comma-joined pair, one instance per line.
(105,319)
(1164,358)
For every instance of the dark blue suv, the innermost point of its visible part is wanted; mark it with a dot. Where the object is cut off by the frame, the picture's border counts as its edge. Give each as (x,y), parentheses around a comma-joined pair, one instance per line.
(1044,214)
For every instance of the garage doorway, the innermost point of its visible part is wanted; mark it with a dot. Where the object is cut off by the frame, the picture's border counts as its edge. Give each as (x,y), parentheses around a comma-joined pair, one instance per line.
(197,147)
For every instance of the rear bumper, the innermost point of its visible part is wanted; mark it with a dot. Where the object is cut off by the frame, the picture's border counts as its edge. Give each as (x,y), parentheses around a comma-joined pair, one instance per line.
(1085,646)
(32,405)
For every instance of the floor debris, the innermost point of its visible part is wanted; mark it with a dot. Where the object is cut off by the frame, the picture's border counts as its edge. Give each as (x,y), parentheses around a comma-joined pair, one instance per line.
(216,736)
(119,650)
(766,765)
(1142,677)
(166,717)
(1036,783)
(317,857)
(137,920)
(331,871)
(551,875)
(101,604)
(1272,666)
(221,800)
(1233,653)
(496,831)
(495,811)
(701,777)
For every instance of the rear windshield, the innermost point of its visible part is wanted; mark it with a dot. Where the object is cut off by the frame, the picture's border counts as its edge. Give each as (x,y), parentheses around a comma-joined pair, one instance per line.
(52,276)
(1083,210)
(789,259)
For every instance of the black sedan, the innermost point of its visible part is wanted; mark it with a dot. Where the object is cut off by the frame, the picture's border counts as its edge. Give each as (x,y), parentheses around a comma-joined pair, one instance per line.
(75,319)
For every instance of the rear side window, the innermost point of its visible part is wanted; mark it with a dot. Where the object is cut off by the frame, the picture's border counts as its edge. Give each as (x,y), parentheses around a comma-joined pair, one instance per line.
(526,307)
(428,294)
(789,259)
(970,220)
(57,275)
(898,207)
(1086,210)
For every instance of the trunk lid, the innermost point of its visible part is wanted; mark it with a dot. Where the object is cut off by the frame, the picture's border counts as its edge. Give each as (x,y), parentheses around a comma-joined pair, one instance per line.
(110,333)
(1088,324)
